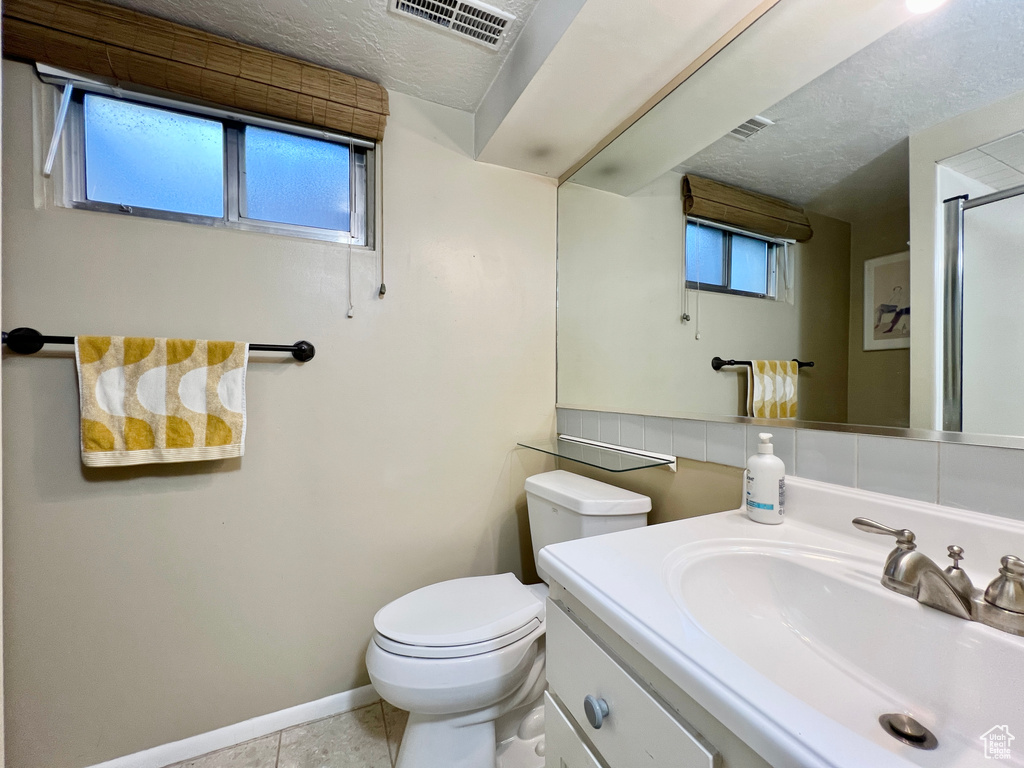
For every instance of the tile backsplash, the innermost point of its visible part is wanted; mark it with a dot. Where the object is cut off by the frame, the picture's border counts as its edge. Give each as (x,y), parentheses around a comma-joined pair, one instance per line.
(983,478)
(827,456)
(727,444)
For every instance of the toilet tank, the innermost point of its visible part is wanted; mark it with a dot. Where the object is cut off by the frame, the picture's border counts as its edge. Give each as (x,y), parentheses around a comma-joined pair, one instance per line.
(564,506)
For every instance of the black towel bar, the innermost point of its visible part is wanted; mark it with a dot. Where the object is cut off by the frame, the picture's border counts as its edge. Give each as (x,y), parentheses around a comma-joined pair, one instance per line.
(26,341)
(717,363)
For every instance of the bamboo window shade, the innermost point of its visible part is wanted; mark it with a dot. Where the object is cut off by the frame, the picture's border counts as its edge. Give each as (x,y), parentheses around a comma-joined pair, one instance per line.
(100,39)
(760,214)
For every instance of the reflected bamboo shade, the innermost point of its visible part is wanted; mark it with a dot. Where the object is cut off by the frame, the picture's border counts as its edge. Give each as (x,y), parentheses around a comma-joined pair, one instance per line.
(100,39)
(760,214)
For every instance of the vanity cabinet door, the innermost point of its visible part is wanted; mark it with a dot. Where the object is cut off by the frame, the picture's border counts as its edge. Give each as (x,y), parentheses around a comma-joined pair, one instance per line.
(635,729)
(562,745)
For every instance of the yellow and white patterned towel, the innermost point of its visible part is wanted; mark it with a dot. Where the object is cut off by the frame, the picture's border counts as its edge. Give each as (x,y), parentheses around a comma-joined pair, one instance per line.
(146,400)
(771,389)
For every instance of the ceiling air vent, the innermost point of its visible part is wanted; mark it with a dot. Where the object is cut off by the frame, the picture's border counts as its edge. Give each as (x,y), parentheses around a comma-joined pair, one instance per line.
(476,21)
(749,128)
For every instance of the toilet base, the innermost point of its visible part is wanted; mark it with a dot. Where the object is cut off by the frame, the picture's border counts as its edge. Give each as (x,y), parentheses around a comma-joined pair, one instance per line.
(524,747)
(471,739)
(516,740)
(435,741)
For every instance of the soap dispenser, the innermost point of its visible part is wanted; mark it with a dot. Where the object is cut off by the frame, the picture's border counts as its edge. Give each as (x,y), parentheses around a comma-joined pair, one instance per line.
(766,484)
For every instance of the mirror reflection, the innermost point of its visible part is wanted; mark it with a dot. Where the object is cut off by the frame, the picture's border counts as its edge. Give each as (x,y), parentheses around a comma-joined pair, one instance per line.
(807,230)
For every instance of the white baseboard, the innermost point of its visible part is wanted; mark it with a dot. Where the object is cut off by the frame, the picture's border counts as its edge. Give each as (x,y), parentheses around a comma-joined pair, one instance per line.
(230,735)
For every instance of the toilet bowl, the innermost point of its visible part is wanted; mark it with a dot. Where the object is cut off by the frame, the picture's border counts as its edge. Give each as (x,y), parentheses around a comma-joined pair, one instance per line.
(463,655)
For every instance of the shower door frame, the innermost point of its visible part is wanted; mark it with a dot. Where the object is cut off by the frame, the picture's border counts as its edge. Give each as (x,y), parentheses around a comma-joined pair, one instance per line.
(953,301)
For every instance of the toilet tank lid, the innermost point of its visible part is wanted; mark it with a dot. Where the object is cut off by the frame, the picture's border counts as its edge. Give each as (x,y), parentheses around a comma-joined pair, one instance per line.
(586,496)
(460,611)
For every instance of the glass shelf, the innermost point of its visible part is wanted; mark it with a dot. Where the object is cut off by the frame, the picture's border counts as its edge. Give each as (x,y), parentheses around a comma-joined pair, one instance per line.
(595,456)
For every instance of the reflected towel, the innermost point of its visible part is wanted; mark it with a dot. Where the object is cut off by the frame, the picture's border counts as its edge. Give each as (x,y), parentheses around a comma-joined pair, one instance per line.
(771,389)
(146,400)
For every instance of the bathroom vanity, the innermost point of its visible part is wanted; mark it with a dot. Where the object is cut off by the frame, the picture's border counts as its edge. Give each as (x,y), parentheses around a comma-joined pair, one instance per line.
(646,719)
(719,642)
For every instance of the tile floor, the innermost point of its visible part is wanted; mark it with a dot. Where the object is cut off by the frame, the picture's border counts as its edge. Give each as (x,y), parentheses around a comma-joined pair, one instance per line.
(363,738)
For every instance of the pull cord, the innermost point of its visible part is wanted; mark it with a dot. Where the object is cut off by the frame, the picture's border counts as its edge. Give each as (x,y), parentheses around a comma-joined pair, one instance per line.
(383,287)
(684,295)
(696,312)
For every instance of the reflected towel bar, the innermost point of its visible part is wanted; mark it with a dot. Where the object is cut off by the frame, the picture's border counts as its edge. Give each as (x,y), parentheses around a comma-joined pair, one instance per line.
(26,341)
(717,363)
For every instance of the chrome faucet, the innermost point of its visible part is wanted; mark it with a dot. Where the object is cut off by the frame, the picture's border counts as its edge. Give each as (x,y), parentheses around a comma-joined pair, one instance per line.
(911,573)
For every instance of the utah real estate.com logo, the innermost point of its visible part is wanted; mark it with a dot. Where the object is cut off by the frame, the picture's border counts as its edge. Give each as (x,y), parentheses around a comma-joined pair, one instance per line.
(997,742)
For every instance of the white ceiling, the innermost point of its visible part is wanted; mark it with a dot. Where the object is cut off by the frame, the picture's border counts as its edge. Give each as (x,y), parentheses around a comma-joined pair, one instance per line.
(962,57)
(569,72)
(360,37)
(611,59)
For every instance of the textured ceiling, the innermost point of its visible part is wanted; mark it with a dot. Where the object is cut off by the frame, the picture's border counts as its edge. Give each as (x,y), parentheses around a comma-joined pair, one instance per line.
(787,48)
(960,58)
(359,37)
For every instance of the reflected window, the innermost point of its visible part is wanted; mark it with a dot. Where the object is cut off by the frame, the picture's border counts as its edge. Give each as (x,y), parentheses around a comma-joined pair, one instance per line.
(729,262)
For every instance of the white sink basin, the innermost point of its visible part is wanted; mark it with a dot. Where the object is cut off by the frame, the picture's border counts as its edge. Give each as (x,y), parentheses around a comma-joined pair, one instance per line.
(818,623)
(785,634)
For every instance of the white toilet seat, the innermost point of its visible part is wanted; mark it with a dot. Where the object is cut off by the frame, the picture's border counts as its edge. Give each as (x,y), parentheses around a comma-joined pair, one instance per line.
(460,617)
(448,685)
(454,651)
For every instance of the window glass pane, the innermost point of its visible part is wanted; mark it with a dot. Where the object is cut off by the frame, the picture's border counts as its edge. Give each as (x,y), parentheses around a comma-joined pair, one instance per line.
(749,264)
(152,158)
(704,254)
(296,180)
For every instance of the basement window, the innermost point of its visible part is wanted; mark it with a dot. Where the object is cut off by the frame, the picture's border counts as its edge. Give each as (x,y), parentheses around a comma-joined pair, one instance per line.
(729,261)
(175,161)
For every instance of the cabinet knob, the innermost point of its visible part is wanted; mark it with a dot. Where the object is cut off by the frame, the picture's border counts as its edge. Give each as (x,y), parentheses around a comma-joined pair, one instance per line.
(596,710)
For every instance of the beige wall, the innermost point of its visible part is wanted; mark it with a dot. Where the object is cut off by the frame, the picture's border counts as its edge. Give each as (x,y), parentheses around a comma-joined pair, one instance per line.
(823,300)
(145,605)
(879,389)
(621,345)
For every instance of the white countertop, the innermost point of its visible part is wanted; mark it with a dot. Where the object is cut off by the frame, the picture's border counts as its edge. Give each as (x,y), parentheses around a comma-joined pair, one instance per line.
(818,713)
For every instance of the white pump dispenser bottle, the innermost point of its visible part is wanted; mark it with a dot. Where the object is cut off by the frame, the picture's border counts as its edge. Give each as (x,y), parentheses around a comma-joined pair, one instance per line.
(766,484)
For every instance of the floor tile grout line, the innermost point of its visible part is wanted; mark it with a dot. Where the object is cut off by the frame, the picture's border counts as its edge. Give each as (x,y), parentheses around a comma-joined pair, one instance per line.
(387,732)
(280,737)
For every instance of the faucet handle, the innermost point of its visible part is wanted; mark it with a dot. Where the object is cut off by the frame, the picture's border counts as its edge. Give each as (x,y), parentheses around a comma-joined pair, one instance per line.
(1011,566)
(904,538)
(956,554)
(1007,589)
(958,576)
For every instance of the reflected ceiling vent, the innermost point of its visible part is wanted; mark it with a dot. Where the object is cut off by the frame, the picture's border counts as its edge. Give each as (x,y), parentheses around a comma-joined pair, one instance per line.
(476,21)
(749,128)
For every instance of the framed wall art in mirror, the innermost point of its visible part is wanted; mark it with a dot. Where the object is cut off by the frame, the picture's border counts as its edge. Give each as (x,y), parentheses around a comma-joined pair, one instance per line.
(887,302)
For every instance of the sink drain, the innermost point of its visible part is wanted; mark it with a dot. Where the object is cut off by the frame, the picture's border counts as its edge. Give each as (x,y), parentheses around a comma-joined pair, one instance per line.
(906,729)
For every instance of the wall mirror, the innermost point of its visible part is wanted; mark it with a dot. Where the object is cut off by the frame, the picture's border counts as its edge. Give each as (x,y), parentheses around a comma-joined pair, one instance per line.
(866,117)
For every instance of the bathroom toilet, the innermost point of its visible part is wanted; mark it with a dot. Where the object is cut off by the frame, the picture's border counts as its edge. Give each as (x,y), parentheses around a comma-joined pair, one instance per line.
(466,657)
